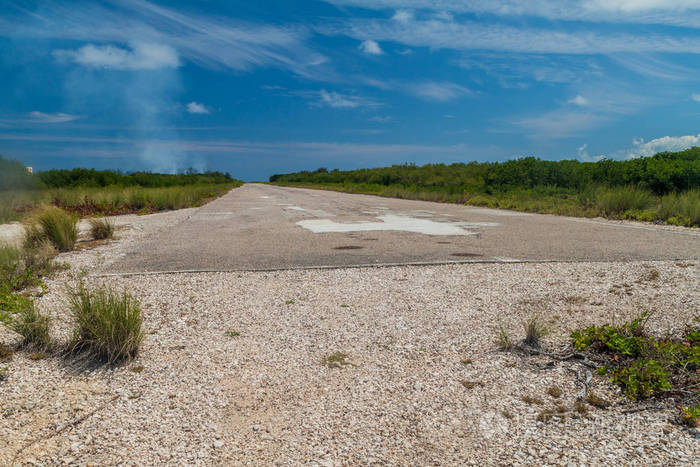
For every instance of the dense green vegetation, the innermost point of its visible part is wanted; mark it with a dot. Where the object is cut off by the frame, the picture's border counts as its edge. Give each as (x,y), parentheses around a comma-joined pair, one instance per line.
(664,187)
(89,192)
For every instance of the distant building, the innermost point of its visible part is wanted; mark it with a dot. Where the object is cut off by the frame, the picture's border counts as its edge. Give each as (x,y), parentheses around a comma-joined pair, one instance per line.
(30,170)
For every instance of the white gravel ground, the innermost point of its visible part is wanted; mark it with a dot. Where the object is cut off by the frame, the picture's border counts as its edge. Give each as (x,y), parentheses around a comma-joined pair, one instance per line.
(195,395)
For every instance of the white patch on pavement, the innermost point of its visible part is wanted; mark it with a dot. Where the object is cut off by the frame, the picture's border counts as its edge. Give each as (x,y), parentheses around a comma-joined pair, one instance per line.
(314,212)
(400,223)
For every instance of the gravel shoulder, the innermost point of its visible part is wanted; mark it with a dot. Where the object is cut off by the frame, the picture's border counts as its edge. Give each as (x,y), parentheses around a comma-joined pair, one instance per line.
(195,395)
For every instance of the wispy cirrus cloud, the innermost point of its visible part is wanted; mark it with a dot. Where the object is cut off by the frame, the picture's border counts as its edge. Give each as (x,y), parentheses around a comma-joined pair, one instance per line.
(343,101)
(473,35)
(669,12)
(212,42)
(695,97)
(437,91)
(142,56)
(60,117)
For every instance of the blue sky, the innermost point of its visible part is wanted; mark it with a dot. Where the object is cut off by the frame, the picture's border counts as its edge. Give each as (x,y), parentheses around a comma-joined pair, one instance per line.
(256,88)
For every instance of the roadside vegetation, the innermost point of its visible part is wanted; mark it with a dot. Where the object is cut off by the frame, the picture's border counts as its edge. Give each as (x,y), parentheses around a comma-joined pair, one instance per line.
(88,192)
(651,371)
(661,188)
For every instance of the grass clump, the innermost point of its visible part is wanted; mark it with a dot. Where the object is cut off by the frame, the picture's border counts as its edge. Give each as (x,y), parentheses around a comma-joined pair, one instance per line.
(555,391)
(336,360)
(597,401)
(107,323)
(532,400)
(101,229)
(5,353)
(28,322)
(535,330)
(233,333)
(471,384)
(503,339)
(53,224)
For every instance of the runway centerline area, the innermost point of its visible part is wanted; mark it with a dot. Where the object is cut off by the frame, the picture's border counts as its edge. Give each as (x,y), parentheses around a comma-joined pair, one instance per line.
(260,226)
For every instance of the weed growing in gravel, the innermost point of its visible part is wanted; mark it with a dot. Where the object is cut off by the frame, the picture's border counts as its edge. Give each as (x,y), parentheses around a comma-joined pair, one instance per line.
(37,356)
(336,360)
(535,330)
(466,361)
(503,338)
(137,369)
(101,229)
(642,365)
(690,416)
(5,353)
(53,224)
(107,323)
(555,391)
(290,302)
(3,373)
(580,408)
(532,400)
(29,323)
(507,414)
(471,384)
(597,401)
(233,333)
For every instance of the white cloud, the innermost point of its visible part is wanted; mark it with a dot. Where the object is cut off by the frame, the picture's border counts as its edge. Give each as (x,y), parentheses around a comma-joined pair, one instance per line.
(402,15)
(559,124)
(382,119)
(52,118)
(438,91)
(673,12)
(695,97)
(474,35)
(585,157)
(197,108)
(142,56)
(666,143)
(370,47)
(579,100)
(212,42)
(343,101)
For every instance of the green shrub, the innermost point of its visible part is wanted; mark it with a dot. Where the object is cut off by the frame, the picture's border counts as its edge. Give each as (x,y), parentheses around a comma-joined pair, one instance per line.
(681,209)
(691,415)
(644,378)
(101,229)
(627,339)
(54,224)
(107,323)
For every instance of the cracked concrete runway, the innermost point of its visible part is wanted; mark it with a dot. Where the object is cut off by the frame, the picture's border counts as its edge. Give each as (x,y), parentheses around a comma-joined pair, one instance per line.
(261,226)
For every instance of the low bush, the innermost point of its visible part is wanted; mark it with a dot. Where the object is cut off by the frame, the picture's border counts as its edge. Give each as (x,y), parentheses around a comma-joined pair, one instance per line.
(617,200)
(107,323)
(535,330)
(52,224)
(642,365)
(101,229)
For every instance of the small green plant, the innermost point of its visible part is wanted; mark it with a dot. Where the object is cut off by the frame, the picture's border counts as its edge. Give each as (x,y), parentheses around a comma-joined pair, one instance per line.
(642,379)
(37,356)
(466,361)
(535,330)
(344,306)
(336,360)
(507,414)
(580,408)
(54,224)
(627,339)
(690,416)
(503,339)
(107,323)
(3,373)
(597,401)
(555,391)
(233,333)
(101,229)
(290,302)
(137,368)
